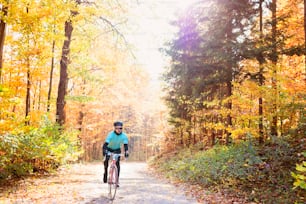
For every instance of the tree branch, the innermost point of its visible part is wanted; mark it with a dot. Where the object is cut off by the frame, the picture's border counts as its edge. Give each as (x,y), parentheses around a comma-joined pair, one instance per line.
(118,33)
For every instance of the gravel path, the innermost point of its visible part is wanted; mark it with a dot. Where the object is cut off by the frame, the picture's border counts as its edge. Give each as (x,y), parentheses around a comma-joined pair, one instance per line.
(82,183)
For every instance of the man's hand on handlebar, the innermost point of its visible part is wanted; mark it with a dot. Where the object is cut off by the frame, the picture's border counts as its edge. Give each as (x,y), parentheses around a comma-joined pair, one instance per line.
(126,154)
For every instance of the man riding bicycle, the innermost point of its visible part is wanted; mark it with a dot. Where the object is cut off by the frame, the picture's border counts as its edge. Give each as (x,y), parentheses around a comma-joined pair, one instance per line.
(113,142)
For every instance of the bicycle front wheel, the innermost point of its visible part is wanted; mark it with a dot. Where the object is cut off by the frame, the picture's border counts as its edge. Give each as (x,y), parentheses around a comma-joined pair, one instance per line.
(113,182)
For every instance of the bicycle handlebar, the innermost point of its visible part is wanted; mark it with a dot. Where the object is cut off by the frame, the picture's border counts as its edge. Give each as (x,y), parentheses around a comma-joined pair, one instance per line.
(115,155)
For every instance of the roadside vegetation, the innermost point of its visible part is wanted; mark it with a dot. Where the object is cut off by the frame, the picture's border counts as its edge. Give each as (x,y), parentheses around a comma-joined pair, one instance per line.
(262,174)
(37,150)
(235,90)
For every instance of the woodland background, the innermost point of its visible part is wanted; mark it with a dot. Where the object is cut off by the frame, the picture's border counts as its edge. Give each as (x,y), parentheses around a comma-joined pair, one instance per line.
(234,89)
(67,73)
(236,98)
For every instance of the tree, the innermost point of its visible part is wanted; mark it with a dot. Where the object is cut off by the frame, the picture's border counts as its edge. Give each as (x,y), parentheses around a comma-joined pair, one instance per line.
(206,60)
(274,58)
(51,76)
(2,36)
(260,60)
(305,33)
(64,62)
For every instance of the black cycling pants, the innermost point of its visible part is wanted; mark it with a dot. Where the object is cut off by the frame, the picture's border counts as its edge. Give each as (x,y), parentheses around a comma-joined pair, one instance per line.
(106,161)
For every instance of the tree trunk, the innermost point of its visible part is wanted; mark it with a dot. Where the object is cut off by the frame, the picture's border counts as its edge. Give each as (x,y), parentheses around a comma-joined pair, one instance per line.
(181,137)
(229,108)
(62,87)
(214,120)
(39,96)
(274,77)
(230,66)
(189,138)
(260,77)
(51,77)
(28,95)
(81,117)
(2,37)
(194,130)
(305,35)
(213,138)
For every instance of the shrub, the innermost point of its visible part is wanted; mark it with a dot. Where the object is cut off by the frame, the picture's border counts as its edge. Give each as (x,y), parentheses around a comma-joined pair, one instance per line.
(219,165)
(300,177)
(36,149)
(244,168)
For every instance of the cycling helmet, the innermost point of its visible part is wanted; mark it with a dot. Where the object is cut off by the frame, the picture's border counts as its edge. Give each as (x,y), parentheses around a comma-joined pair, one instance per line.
(118,123)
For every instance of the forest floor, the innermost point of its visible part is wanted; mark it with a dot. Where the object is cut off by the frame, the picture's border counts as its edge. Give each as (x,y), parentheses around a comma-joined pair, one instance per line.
(82,183)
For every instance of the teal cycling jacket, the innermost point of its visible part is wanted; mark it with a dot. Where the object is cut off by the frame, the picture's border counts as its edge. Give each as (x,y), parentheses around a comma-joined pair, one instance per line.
(115,141)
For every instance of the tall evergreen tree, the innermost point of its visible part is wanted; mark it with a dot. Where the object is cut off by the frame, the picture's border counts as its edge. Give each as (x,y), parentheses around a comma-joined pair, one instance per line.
(206,55)
(274,59)
(260,60)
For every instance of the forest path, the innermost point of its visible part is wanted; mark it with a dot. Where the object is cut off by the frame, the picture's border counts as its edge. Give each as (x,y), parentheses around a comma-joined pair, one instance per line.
(82,183)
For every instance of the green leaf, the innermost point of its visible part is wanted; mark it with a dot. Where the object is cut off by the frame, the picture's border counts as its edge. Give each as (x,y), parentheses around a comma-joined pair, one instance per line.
(303,185)
(301,177)
(300,167)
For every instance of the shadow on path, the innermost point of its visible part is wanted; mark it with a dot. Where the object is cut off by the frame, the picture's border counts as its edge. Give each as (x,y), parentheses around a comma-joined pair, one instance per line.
(99,200)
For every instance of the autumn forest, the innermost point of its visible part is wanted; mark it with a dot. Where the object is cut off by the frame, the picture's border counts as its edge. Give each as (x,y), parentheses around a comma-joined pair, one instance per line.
(230,113)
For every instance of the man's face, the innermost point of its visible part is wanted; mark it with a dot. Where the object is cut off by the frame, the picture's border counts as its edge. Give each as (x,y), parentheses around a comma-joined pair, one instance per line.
(118,129)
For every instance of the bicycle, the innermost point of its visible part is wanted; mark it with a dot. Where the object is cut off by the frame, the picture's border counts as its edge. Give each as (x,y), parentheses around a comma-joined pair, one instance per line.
(113,180)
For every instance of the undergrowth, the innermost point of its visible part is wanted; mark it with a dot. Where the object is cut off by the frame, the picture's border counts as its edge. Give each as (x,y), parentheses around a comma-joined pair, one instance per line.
(260,173)
(30,149)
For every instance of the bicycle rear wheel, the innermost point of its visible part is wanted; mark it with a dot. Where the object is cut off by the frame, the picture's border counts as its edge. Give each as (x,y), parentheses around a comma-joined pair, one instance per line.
(113,182)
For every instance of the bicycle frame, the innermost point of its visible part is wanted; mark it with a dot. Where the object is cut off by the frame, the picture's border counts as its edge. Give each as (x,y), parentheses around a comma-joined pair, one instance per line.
(114,157)
(113,174)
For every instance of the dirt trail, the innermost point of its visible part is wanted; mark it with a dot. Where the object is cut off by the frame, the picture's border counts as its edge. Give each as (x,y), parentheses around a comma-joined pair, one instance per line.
(83,184)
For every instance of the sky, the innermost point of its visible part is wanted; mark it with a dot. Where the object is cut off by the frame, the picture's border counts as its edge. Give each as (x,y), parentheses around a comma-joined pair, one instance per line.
(150,29)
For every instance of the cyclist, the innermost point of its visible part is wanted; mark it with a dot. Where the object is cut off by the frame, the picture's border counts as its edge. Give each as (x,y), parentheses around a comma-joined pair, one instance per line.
(113,142)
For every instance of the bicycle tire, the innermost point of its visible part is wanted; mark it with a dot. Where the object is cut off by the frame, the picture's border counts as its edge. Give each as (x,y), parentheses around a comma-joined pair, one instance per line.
(113,182)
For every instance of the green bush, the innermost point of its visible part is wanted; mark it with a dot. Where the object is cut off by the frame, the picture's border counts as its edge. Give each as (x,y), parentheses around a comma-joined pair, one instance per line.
(219,165)
(244,168)
(300,177)
(37,149)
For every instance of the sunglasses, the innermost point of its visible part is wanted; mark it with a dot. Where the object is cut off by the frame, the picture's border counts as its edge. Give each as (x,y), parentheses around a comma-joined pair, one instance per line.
(118,128)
